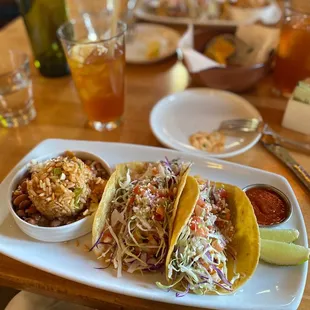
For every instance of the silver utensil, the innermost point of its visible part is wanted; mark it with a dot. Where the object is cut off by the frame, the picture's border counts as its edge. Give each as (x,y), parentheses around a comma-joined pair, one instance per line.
(252,125)
(274,143)
(282,154)
(244,125)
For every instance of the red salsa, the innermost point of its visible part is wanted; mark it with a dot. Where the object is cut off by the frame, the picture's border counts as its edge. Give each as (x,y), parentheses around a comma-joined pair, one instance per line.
(269,207)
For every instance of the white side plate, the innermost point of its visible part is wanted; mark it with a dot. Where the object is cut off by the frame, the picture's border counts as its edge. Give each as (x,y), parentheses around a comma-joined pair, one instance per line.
(176,117)
(145,35)
(271,287)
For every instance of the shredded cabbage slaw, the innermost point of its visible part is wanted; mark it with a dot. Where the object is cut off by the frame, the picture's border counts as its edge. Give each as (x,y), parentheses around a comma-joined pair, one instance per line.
(199,260)
(136,231)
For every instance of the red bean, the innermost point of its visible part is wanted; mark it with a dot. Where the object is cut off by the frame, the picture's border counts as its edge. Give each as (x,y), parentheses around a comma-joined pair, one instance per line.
(37,216)
(31,221)
(98,166)
(88,162)
(21,213)
(19,199)
(24,204)
(32,210)
(55,223)
(43,222)
(23,187)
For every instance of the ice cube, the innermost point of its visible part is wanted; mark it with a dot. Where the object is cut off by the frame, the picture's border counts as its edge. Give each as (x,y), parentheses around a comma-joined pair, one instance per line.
(81,52)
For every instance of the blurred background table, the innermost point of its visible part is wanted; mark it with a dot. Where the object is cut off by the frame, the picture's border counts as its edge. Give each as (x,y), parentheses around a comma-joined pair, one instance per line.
(60,115)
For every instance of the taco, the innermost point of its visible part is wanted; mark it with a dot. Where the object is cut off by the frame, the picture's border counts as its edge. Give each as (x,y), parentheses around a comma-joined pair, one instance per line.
(214,247)
(133,223)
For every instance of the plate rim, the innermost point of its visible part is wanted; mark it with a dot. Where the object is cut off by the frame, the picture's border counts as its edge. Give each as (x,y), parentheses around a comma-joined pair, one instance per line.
(142,14)
(160,103)
(161,58)
(63,274)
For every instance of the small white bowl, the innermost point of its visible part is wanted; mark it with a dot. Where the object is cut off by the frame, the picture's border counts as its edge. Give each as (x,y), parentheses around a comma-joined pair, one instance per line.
(61,233)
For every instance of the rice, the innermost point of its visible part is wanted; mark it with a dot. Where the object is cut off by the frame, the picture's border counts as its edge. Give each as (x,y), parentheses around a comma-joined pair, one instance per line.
(60,186)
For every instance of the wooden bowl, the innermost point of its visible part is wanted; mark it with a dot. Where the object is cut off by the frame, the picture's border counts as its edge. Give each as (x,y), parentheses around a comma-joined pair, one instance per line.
(232,78)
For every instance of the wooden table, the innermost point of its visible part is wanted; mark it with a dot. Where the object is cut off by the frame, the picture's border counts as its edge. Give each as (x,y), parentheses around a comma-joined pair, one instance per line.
(60,116)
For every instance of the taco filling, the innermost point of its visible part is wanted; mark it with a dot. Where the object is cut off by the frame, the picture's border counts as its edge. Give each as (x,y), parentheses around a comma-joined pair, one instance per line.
(136,228)
(198,262)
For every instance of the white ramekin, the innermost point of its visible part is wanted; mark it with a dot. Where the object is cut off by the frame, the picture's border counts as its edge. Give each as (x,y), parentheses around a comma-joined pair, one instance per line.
(54,234)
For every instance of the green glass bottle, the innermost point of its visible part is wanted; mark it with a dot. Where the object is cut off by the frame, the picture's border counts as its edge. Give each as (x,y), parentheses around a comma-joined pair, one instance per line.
(42,19)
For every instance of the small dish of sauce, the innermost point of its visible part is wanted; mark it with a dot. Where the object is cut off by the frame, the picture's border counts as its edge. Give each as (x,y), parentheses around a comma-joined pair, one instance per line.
(271,206)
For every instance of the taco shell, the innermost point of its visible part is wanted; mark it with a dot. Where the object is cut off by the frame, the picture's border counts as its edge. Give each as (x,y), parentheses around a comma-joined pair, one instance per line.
(246,241)
(109,193)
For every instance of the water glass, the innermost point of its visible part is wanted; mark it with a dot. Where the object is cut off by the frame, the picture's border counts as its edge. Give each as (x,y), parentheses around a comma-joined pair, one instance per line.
(96,57)
(16,101)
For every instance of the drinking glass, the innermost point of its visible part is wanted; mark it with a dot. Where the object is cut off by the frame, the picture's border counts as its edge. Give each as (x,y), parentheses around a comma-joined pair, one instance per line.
(16,101)
(293,57)
(96,57)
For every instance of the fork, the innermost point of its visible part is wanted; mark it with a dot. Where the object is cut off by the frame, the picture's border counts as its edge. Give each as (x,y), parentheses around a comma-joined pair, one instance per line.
(252,125)
(244,125)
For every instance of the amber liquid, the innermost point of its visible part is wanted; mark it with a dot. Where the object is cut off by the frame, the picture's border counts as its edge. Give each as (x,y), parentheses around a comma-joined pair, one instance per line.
(293,56)
(100,84)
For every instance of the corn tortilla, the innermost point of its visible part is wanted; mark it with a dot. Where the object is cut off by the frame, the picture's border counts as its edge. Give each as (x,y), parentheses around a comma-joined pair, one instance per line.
(246,241)
(109,193)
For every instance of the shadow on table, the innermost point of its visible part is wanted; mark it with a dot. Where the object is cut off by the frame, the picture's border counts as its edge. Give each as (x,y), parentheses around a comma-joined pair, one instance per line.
(6,294)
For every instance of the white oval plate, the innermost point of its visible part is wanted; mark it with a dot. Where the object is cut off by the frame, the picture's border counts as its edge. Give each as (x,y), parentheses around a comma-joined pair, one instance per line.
(270,288)
(268,15)
(144,34)
(141,13)
(176,117)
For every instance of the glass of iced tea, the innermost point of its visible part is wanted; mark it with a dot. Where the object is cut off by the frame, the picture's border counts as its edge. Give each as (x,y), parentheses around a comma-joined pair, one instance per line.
(96,57)
(293,56)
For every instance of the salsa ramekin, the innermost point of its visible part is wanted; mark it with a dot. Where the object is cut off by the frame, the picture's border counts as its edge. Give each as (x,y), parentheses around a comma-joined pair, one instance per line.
(278,192)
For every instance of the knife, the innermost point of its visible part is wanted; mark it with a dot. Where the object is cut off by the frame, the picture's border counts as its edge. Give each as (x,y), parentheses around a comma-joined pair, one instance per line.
(283,155)
(287,143)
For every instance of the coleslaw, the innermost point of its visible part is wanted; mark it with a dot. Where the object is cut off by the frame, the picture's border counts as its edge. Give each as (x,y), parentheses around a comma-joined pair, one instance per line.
(136,231)
(199,260)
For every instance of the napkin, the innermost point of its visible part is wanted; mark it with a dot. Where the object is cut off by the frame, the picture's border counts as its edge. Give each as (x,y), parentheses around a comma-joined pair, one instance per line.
(261,39)
(195,61)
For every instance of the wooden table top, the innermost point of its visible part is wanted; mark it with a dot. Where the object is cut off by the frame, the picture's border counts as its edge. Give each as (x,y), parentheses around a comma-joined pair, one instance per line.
(60,116)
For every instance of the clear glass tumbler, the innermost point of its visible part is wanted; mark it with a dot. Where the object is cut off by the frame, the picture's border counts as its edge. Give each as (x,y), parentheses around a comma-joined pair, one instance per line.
(96,57)
(16,101)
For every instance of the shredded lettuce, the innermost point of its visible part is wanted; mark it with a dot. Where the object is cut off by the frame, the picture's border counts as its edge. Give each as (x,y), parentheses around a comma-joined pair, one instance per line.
(139,218)
(199,256)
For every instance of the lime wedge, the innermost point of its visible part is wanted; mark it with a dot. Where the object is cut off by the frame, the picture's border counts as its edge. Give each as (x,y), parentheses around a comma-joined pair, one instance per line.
(284,235)
(281,253)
